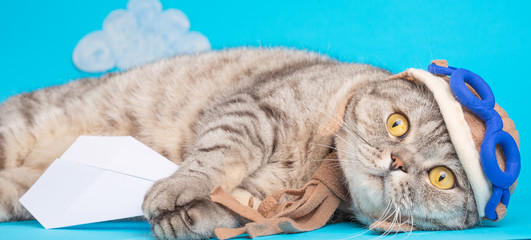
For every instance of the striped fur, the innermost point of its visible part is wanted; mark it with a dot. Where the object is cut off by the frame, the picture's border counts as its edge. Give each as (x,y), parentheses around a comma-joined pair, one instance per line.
(245,119)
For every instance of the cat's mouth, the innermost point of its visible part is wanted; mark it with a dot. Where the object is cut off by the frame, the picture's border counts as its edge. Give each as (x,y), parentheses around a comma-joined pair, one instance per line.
(393,218)
(399,211)
(382,203)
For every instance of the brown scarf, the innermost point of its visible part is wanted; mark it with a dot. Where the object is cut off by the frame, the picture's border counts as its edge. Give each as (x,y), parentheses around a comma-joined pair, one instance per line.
(314,205)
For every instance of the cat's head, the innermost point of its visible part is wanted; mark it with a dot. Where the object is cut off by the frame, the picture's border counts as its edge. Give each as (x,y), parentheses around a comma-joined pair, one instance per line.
(399,160)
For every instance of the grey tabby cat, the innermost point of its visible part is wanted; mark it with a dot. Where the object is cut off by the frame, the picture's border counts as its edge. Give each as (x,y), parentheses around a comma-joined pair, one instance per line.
(251,121)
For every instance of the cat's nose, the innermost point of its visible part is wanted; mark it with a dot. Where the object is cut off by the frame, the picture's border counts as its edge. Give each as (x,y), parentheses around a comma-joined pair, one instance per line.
(397,164)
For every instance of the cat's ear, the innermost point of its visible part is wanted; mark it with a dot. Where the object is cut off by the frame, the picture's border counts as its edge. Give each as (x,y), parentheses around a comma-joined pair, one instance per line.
(334,123)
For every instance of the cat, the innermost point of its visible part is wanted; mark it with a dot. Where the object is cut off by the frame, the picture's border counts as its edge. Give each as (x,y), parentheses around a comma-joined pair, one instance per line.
(250,120)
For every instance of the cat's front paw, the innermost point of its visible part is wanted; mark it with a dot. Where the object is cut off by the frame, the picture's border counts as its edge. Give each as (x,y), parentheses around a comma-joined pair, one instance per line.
(385,226)
(180,208)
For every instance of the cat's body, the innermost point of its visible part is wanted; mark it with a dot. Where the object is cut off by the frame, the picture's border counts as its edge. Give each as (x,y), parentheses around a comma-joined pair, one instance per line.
(248,120)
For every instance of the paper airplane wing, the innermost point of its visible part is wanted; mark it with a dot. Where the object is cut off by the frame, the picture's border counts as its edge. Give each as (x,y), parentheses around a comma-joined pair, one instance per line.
(82,188)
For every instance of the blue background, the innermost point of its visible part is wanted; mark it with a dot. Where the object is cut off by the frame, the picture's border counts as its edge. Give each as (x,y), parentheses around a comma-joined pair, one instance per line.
(490,38)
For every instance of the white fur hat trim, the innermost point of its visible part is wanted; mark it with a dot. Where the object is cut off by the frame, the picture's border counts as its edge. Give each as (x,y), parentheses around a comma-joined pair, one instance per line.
(459,134)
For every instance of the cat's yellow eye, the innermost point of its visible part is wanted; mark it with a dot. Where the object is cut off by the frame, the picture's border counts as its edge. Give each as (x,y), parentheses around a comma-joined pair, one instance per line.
(442,178)
(397,125)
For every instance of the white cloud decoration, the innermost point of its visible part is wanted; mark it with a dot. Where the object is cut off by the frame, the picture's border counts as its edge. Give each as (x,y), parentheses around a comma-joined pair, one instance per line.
(141,34)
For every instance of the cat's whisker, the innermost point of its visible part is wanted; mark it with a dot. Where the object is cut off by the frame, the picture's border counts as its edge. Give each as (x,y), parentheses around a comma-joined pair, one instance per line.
(411,223)
(334,133)
(372,227)
(334,161)
(386,232)
(356,135)
(347,128)
(385,211)
(384,214)
(345,125)
(385,219)
(321,160)
(393,223)
(351,131)
(350,160)
(336,149)
(418,62)
(332,115)
(400,218)
(396,222)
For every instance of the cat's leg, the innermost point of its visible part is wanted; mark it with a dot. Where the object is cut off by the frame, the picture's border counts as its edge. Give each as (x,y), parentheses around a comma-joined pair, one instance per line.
(230,146)
(393,227)
(22,161)
(34,131)
(14,182)
(17,170)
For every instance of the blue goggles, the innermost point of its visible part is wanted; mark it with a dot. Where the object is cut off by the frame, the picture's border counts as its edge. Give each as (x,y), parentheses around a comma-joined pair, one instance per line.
(483,107)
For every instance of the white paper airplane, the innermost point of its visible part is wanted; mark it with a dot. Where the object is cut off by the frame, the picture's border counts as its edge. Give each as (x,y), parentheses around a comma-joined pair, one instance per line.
(97,179)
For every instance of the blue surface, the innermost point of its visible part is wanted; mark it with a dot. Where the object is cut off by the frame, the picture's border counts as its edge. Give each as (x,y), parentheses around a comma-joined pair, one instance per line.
(141,231)
(490,38)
